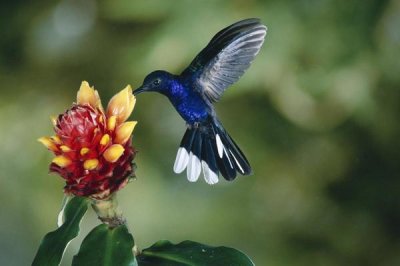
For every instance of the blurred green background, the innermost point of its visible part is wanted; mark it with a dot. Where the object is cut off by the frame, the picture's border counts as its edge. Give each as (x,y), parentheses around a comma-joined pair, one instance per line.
(317,115)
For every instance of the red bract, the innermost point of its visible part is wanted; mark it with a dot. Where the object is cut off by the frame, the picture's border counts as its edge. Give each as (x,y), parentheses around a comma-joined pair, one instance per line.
(93,149)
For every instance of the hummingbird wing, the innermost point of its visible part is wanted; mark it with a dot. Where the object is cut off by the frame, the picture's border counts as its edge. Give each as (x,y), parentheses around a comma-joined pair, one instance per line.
(226,57)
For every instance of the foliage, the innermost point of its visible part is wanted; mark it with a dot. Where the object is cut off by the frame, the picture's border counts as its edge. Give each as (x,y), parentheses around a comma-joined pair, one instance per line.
(54,243)
(114,245)
(106,246)
(164,253)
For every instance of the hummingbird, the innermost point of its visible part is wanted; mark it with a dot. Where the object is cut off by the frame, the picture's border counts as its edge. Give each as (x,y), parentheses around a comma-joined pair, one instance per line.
(206,146)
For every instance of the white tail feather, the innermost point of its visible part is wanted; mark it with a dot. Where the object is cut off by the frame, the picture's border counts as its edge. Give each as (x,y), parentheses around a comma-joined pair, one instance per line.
(220,146)
(210,177)
(181,161)
(194,168)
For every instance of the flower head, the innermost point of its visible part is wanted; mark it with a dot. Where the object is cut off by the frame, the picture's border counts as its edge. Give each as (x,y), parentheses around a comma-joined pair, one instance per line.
(93,147)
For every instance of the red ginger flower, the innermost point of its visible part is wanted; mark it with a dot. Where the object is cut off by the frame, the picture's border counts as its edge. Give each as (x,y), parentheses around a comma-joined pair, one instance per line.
(93,148)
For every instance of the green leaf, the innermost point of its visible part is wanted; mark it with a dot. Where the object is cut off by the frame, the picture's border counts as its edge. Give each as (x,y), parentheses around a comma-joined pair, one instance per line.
(164,253)
(54,243)
(106,246)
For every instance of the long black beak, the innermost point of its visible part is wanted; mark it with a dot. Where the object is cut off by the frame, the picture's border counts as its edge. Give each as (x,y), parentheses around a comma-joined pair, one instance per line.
(139,90)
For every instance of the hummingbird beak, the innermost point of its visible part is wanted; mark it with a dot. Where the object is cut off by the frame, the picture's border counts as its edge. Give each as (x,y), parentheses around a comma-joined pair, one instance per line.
(139,90)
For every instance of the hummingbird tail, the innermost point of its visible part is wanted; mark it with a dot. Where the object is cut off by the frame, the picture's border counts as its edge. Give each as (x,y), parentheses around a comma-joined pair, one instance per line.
(209,147)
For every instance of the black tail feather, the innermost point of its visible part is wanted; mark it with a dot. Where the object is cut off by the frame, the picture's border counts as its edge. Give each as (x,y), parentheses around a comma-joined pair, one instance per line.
(225,163)
(208,161)
(187,139)
(210,148)
(240,161)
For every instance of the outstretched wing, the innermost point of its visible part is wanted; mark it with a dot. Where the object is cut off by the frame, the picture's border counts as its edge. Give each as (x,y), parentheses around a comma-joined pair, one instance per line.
(227,56)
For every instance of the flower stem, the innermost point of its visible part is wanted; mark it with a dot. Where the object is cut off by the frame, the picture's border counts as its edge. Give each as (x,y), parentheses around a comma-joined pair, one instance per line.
(108,211)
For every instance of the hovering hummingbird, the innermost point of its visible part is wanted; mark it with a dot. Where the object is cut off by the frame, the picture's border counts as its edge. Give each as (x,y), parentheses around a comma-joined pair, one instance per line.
(206,144)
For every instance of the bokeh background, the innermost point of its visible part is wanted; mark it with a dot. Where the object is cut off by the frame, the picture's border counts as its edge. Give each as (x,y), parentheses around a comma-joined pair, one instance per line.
(317,115)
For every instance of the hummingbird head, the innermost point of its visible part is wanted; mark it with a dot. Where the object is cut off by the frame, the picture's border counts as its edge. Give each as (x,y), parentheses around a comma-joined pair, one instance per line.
(157,81)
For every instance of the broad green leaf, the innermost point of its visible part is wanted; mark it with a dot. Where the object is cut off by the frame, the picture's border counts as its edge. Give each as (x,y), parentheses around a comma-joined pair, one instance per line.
(54,243)
(164,253)
(106,246)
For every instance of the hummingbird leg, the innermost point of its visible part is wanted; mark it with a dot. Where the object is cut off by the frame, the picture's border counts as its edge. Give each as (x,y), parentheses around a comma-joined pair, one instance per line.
(189,126)
(195,125)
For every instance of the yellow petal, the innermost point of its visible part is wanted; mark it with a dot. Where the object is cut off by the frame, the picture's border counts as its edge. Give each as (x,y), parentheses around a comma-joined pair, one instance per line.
(105,139)
(90,164)
(56,139)
(111,121)
(98,103)
(121,105)
(48,143)
(124,131)
(61,161)
(53,119)
(113,153)
(84,151)
(65,148)
(87,95)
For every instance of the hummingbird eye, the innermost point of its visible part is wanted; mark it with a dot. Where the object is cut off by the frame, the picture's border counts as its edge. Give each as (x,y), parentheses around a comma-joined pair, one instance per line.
(157,82)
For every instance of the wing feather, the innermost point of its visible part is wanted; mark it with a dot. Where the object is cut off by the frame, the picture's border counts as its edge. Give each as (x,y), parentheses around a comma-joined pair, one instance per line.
(225,59)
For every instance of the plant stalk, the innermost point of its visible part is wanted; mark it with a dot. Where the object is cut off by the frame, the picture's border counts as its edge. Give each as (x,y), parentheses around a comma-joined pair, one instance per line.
(108,211)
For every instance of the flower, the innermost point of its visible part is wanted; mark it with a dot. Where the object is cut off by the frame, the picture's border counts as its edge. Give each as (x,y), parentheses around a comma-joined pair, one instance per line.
(93,147)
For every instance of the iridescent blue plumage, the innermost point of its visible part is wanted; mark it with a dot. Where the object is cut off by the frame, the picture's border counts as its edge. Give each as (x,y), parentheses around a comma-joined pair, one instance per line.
(189,103)
(206,145)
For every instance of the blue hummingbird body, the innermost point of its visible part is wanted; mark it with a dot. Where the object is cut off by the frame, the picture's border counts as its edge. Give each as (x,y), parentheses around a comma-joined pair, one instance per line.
(206,146)
(187,102)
